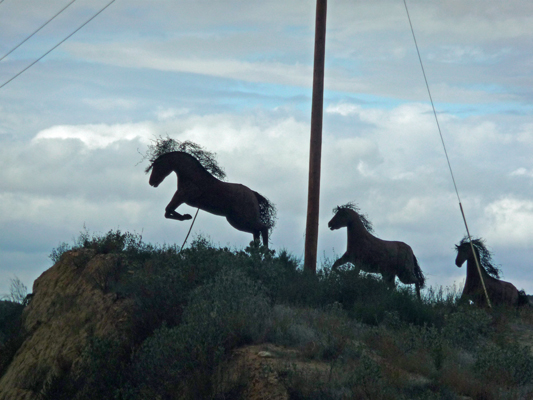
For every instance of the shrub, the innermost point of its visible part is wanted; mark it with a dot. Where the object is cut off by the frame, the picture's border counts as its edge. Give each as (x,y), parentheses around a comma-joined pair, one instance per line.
(368,299)
(357,379)
(11,332)
(18,292)
(230,311)
(113,241)
(58,251)
(466,327)
(104,369)
(324,334)
(10,313)
(510,365)
(194,306)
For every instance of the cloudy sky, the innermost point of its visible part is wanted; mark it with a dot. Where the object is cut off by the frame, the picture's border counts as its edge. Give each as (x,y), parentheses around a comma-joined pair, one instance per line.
(235,76)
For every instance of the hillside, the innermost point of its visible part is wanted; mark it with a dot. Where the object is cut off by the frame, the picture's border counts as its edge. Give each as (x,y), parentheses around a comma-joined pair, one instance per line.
(117,318)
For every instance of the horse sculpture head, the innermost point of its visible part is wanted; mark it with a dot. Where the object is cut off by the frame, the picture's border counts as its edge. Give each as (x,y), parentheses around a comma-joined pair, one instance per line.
(161,168)
(484,256)
(346,214)
(339,220)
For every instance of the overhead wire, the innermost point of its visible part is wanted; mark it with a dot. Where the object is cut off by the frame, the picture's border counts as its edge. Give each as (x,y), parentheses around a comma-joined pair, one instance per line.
(446,154)
(57,45)
(38,29)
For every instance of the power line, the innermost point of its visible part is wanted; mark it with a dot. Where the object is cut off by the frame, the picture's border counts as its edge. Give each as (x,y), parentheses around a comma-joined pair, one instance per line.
(41,27)
(56,46)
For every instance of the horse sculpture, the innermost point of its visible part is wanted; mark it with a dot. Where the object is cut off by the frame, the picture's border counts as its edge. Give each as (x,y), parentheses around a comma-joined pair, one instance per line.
(367,252)
(500,292)
(245,209)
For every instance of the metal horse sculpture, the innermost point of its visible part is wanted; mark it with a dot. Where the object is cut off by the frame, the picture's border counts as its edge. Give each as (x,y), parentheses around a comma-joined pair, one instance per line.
(367,252)
(499,292)
(245,209)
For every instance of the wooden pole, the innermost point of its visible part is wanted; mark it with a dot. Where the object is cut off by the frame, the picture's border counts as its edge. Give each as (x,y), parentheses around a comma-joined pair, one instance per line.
(315,151)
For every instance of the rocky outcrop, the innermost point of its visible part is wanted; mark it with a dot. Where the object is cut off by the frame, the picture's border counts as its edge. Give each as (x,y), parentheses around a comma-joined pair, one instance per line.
(70,304)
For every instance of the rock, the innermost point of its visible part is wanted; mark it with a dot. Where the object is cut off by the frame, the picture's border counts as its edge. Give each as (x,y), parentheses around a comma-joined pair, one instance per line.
(69,305)
(259,373)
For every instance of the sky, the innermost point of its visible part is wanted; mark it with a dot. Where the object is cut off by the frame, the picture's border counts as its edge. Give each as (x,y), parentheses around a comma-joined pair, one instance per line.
(236,78)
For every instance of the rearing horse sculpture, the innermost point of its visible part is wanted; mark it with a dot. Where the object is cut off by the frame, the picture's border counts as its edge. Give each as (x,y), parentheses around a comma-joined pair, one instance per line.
(500,292)
(367,252)
(245,209)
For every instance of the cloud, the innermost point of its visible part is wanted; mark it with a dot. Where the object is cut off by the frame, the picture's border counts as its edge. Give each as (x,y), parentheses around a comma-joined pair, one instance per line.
(522,172)
(97,136)
(238,82)
(105,104)
(146,55)
(87,174)
(509,222)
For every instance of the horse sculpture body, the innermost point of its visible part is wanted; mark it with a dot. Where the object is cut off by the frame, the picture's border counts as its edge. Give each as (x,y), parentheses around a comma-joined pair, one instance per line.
(245,209)
(500,292)
(367,252)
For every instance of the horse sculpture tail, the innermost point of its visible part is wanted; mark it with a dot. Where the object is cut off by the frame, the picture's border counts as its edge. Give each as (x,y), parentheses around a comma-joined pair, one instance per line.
(267,211)
(418,273)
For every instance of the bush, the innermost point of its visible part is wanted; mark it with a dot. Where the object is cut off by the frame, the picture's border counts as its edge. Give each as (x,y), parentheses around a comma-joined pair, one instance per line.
(323,334)
(11,332)
(18,292)
(467,327)
(192,307)
(10,313)
(105,370)
(230,311)
(508,366)
(365,296)
(113,241)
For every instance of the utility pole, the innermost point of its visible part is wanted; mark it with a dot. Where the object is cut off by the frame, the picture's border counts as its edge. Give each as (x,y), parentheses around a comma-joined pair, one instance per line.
(315,151)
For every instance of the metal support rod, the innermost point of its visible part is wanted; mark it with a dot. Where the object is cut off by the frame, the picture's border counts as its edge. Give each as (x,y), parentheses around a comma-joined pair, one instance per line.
(446,153)
(190,229)
(315,150)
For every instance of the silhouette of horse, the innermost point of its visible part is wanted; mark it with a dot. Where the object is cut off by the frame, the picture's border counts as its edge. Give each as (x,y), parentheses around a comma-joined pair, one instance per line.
(245,209)
(367,252)
(500,292)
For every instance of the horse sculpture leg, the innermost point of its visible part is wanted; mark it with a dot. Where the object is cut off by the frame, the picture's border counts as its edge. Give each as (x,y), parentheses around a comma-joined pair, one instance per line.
(264,234)
(256,236)
(177,200)
(341,261)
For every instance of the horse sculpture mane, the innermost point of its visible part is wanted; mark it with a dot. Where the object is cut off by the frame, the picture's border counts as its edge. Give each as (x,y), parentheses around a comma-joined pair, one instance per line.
(364,219)
(162,146)
(484,255)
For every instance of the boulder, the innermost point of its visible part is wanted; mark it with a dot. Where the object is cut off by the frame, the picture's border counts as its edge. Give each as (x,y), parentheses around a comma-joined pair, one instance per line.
(70,304)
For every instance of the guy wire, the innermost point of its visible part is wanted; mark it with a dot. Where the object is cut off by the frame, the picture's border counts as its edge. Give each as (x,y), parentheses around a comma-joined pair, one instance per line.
(446,153)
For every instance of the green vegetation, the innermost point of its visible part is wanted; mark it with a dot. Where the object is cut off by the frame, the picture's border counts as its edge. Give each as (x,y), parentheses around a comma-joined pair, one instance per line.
(11,332)
(194,307)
